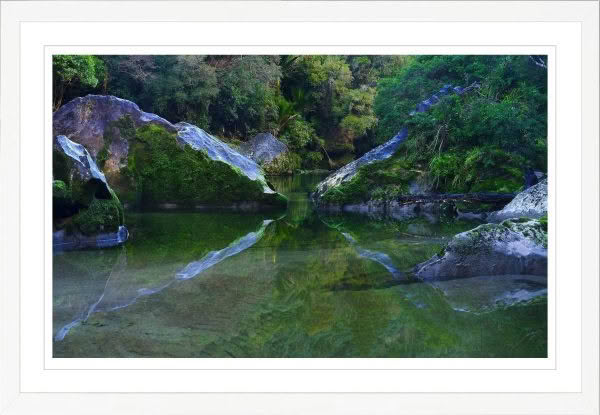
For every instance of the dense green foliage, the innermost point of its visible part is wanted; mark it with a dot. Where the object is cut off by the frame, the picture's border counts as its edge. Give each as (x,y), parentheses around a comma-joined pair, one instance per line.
(480,141)
(74,75)
(331,109)
(103,215)
(321,106)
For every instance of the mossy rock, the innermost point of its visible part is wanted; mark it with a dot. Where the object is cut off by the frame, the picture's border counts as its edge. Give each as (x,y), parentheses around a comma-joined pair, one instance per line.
(381,180)
(83,203)
(150,162)
(165,170)
(283,164)
(513,247)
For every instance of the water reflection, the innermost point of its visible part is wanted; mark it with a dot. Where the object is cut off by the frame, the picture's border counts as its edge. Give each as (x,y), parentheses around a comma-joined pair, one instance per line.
(378,257)
(305,285)
(124,285)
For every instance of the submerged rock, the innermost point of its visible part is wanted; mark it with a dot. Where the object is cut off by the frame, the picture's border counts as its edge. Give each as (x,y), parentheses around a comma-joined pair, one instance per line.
(530,203)
(86,211)
(145,159)
(513,247)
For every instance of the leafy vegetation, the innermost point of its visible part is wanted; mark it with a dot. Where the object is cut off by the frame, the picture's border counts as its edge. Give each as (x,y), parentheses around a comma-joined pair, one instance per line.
(74,74)
(479,141)
(330,110)
(321,106)
(103,215)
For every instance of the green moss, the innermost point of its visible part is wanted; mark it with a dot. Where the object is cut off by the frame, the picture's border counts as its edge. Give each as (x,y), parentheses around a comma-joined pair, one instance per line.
(382,180)
(544,222)
(285,163)
(164,172)
(505,184)
(115,199)
(354,190)
(477,240)
(102,156)
(103,215)
(60,190)
(61,166)
(62,203)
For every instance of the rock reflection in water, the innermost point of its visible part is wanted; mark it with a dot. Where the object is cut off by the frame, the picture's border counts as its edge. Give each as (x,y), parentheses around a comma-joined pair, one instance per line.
(121,290)
(487,292)
(305,285)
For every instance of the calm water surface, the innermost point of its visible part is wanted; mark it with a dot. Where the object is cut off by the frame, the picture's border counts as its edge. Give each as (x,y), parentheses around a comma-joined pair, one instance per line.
(293,284)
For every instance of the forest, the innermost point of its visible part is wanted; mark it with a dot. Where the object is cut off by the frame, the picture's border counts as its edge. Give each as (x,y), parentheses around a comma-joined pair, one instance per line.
(330,110)
(300,206)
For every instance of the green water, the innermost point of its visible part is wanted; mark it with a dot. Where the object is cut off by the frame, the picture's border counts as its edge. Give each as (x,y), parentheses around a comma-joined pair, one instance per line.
(294,284)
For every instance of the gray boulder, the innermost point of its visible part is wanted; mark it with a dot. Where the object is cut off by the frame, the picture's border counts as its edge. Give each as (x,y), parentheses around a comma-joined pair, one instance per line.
(530,203)
(512,247)
(108,127)
(263,148)
(94,121)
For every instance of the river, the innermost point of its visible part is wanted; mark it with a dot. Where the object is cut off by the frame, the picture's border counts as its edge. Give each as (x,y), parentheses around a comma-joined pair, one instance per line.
(294,284)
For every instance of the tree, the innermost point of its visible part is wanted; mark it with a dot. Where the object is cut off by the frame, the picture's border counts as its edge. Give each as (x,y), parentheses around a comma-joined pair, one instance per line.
(74,72)
(247,98)
(479,140)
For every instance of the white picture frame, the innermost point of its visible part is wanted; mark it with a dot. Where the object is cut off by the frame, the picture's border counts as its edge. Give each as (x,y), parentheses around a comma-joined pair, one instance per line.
(33,382)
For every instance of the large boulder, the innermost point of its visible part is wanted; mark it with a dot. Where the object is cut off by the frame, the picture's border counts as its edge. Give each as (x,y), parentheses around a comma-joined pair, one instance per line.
(263,148)
(346,173)
(153,163)
(530,203)
(86,211)
(272,154)
(102,123)
(512,247)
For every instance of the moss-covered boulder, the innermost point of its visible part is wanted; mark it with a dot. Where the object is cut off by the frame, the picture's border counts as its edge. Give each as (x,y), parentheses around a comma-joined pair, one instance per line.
(194,170)
(86,211)
(152,163)
(513,247)
(531,203)
(345,184)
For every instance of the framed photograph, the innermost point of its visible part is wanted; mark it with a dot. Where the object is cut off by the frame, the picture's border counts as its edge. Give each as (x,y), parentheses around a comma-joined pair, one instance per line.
(299,207)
